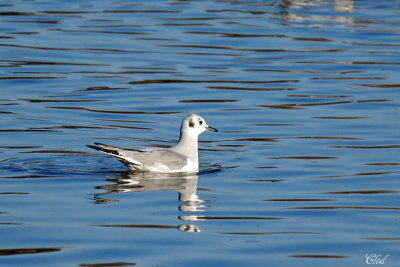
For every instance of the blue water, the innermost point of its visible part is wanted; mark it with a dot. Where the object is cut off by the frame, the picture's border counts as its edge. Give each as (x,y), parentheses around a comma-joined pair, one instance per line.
(305,168)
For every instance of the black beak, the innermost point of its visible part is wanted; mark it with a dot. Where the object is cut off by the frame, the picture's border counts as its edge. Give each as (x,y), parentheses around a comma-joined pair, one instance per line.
(211,129)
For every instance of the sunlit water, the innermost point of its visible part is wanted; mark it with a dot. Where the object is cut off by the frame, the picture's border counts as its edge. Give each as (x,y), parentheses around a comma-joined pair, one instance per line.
(304,171)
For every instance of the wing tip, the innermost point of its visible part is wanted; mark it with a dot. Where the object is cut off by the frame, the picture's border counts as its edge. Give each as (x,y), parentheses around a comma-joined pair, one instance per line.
(105,148)
(94,147)
(113,151)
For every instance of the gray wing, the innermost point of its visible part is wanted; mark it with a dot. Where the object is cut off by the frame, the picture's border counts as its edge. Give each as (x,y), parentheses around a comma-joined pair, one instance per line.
(155,158)
(146,159)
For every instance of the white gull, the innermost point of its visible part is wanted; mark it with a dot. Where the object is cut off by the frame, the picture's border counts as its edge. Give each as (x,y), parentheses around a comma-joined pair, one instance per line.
(183,157)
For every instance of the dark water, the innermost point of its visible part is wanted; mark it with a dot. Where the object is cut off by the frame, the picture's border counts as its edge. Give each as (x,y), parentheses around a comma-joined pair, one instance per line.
(304,172)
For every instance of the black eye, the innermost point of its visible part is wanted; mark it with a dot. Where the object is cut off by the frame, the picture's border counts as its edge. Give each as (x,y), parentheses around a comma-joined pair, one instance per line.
(200,122)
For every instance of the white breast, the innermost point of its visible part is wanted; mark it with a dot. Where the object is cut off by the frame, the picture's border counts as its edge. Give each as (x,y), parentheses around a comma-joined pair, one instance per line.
(191,166)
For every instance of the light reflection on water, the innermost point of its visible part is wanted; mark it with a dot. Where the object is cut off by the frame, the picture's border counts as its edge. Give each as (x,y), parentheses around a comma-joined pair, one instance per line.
(304,171)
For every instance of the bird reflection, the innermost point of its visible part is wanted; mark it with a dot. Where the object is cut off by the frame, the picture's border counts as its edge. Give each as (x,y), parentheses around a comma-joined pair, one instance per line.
(290,10)
(184,184)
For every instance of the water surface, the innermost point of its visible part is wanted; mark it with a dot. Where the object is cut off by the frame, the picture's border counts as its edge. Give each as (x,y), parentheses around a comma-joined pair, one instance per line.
(304,170)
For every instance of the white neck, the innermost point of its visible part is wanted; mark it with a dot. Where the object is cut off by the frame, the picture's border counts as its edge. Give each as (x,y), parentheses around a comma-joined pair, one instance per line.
(187,146)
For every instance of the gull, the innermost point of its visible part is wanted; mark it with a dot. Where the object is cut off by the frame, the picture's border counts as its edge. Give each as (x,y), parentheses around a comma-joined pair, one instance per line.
(182,157)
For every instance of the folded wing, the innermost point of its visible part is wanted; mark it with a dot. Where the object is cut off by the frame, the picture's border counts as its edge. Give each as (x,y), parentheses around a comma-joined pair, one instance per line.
(161,160)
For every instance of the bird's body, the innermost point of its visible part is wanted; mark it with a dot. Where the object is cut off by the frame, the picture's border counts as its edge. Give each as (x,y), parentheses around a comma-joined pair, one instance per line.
(183,157)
